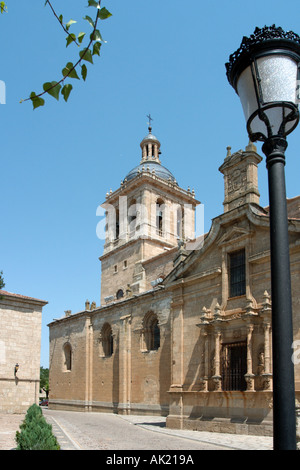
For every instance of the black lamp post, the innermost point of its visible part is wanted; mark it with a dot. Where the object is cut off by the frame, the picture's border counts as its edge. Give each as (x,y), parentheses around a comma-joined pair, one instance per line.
(264,72)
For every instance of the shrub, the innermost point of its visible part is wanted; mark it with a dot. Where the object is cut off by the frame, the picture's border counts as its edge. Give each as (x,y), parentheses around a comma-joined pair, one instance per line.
(35,433)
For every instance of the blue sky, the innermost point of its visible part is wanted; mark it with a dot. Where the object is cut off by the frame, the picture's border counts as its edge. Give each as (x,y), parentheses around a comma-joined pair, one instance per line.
(164,57)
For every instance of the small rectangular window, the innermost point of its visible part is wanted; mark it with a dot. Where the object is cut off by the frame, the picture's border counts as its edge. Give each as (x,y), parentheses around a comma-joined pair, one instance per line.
(125,264)
(115,268)
(237,273)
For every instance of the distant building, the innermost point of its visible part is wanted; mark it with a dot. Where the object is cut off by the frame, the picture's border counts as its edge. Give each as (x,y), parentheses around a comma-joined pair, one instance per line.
(184,328)
(20,350)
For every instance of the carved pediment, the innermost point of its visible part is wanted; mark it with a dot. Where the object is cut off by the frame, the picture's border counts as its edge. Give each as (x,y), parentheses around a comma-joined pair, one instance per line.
(234,234)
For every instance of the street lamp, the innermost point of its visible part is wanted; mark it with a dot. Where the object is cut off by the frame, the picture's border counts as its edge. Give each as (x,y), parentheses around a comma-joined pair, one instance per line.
(264,72)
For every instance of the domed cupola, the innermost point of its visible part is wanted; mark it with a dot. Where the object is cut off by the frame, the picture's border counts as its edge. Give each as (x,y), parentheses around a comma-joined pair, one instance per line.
(150,161)
(150,146)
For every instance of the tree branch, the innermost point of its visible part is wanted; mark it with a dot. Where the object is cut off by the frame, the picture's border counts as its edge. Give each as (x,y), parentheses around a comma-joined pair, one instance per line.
(60,22)
(77,63)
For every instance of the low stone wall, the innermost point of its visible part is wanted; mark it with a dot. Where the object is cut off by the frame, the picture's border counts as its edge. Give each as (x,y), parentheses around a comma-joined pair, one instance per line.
(230,412)
(105,407)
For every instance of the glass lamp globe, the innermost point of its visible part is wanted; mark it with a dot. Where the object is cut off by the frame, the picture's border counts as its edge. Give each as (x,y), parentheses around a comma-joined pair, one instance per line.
(264,72)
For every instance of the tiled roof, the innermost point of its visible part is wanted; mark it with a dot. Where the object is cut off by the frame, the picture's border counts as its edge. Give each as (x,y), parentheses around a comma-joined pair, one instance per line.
(19,296)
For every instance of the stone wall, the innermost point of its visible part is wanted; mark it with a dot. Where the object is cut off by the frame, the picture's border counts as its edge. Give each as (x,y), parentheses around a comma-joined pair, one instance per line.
(20,343)
(132,379)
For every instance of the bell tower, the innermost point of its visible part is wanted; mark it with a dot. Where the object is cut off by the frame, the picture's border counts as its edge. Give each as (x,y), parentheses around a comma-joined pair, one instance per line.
(240,177)
(147,215)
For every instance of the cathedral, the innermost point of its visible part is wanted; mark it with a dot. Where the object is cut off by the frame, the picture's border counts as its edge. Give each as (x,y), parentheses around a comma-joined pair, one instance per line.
(184,326)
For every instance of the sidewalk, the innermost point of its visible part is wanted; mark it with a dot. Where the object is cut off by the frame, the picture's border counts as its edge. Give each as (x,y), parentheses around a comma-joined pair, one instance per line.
(232,441)
(9,425)
(157,424)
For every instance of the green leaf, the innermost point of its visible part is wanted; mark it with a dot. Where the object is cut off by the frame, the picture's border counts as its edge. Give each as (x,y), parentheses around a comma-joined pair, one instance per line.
(66,90)
(103,14)
(53,88)
(96,48)
(80,37)
(3,7)
(83,71)
(69,24)
(93,3)
(66,71)
(86,54)
(70,38)
(96,35)
(36,100)
(89,19)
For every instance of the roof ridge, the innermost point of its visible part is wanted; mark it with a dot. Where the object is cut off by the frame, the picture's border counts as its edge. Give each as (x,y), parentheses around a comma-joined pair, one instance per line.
(19,296)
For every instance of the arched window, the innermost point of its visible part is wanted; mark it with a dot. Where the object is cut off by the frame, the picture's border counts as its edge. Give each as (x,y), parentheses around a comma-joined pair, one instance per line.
(120,294)
(154,151)
(155,335)
(159,216)
(117,233)
(180,222)
(132,214)
(67,357)
(151,332)
(106,341)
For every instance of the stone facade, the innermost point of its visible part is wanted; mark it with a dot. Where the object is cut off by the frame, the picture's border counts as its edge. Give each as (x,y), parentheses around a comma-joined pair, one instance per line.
(101,380)
(20,349)
(184,329)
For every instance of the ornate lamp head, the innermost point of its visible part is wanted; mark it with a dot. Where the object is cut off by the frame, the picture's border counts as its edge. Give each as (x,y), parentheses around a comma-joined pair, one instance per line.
(264,72)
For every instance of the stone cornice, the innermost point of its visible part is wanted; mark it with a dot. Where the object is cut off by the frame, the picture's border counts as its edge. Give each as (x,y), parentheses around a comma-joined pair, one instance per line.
(154,180)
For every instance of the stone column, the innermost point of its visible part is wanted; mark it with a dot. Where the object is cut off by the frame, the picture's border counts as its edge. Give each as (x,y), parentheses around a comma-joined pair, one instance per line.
(125,364)
(267,347)
(217,377)
(249,376)
(225,278)
(204,363)
(145,215)
(88,364)
(110,221)
(123,218)
(177,343)
(176,411)
(267,376)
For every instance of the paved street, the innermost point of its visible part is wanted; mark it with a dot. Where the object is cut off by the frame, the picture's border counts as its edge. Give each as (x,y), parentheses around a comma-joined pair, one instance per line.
(104,431)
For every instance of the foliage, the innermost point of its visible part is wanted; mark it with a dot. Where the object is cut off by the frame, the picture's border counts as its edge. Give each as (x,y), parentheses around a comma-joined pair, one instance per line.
(44,380)
(55,88)
(35,433)
(3,7)
(2,283)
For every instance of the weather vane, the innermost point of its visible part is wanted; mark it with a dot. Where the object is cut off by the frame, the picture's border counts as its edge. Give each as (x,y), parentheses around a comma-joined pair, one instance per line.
(150,119)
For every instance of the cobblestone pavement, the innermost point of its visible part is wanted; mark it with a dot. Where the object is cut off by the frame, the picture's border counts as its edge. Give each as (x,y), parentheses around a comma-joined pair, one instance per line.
(105,431)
